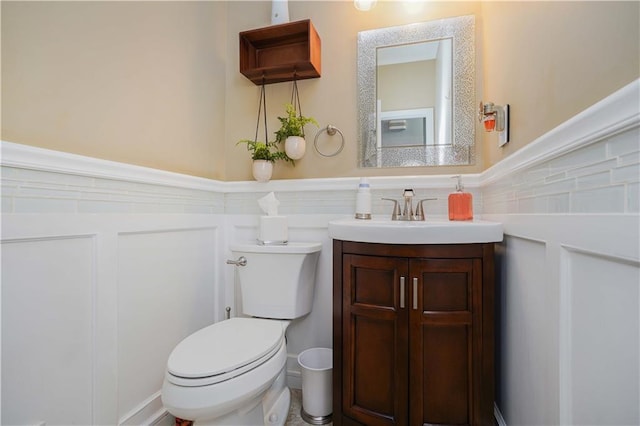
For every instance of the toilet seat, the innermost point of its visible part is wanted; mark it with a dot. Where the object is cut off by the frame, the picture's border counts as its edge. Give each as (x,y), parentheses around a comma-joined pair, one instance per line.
(224,350)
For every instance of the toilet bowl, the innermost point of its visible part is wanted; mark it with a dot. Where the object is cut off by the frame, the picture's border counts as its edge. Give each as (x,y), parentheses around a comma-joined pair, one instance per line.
(233,372)
(233,363)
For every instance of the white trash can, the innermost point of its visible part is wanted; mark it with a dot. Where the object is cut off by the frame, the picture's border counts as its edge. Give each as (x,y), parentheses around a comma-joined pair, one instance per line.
(317,368)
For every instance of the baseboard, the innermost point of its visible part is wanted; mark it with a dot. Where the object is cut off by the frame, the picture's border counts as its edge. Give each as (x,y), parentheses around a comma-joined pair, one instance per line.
(498,415)
(148,412)
(294,376)
(162,418)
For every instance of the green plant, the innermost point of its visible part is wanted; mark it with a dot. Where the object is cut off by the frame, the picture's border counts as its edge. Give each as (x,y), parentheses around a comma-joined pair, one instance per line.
(293,124)
(264,151)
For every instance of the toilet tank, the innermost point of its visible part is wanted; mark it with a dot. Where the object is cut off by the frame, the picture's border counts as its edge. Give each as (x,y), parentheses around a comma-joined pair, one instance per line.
(277,281)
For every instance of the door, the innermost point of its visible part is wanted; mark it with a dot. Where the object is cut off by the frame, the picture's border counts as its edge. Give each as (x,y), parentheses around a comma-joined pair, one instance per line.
(444,345)
(375,336)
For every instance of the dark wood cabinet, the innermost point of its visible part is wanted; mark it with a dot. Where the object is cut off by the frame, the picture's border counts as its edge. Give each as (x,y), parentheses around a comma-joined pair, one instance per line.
(413,334)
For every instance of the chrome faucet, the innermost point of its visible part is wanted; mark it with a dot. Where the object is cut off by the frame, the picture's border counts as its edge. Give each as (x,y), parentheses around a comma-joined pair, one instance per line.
(407,212)
(396,209)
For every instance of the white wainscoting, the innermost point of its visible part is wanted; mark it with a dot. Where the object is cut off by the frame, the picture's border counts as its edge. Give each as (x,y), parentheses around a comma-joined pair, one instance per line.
(568,335)
(600,338)
(151,227)
(568,340)
(48,311)
(165,289)
(93,304)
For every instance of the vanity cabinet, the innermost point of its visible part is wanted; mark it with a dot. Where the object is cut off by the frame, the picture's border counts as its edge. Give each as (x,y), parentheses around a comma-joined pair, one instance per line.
(413,329)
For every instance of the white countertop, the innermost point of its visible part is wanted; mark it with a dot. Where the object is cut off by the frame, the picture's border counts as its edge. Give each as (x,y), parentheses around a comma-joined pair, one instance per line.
(431,231)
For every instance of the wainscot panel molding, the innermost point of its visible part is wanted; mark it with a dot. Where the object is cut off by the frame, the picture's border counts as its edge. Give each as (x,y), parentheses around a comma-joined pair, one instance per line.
(48,316)
(527,293)
(92,304)
(166,281)
(600,340)
(568,340)
(568,293)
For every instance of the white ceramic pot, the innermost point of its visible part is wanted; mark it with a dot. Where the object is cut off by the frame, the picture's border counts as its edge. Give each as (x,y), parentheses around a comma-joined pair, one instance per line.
(295,146)
(262,170)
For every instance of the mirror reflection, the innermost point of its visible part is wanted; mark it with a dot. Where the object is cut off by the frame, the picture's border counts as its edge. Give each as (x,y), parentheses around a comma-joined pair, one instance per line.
(416,94)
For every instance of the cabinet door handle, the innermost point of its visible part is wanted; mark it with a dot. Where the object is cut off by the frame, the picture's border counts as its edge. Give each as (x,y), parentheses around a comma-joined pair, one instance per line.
(402,292)
(415,293)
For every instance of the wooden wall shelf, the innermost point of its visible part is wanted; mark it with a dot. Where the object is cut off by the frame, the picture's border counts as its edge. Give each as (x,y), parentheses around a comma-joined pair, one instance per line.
(278,52)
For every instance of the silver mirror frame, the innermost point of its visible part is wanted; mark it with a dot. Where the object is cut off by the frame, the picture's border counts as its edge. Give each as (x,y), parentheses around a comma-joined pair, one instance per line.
(462,31)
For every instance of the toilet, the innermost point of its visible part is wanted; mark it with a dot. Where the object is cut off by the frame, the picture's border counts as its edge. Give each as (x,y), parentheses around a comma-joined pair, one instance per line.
(233,372)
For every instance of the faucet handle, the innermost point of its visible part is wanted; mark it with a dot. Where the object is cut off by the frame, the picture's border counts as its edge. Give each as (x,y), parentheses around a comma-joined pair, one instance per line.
(408,193)
(420,209)
(407,213)
(396,208)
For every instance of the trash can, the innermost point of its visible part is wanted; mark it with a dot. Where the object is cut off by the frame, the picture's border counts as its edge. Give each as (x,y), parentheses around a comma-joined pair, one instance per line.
(316,365)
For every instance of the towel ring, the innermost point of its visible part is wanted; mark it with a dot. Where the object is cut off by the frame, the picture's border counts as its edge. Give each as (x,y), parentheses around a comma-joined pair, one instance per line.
(331,130)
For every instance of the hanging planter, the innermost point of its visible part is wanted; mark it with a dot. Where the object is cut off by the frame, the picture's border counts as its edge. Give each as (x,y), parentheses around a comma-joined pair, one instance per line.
(264,154)
(291,130)
(262,170)
(294,147)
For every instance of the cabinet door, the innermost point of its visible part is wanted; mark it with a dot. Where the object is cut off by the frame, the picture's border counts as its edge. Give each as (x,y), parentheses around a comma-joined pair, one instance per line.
(375,333)
(444,349)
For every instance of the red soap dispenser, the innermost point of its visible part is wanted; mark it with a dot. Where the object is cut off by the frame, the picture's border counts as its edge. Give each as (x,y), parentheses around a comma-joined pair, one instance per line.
(460,203)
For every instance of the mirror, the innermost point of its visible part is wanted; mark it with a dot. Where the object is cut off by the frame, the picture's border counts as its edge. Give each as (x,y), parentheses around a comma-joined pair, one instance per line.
(416,94)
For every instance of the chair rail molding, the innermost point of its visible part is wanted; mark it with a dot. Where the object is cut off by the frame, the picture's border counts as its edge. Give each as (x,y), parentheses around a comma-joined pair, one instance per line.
(614,114)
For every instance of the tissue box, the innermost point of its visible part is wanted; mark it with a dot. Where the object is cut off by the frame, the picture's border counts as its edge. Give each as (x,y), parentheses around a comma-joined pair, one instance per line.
(273,230)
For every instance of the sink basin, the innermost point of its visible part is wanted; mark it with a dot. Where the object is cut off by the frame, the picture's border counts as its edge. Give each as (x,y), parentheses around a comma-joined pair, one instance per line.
(431,231)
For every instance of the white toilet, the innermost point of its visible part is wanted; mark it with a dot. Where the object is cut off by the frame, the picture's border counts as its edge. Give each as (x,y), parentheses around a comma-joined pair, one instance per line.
(233,372)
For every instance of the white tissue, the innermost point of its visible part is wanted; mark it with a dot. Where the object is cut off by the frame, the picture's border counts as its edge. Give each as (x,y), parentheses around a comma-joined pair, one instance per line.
(273,228)
(269,204)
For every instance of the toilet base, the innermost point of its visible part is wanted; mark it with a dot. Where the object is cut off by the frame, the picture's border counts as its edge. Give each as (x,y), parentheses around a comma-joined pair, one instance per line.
(277,415)
(270,410)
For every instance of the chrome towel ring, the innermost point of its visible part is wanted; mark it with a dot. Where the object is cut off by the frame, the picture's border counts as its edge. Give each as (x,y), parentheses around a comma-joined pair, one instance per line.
(331,130)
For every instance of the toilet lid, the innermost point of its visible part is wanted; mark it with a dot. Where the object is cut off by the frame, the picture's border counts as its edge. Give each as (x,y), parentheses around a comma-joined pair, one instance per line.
(224,347)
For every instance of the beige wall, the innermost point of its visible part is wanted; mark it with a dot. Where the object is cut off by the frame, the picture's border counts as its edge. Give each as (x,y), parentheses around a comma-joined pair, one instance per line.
(134,82)
(551,60)
(331,99)
(157,83)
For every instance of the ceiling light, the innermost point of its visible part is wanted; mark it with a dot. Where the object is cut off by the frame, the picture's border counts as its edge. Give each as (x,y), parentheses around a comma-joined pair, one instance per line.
(364,5)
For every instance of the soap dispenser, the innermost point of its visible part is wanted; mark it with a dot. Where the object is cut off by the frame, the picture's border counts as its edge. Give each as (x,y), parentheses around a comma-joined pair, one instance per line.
(363,200)
(460,203)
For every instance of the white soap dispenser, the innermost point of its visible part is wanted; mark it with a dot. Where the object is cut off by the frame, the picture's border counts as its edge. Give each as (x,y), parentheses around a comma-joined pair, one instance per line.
(363,200)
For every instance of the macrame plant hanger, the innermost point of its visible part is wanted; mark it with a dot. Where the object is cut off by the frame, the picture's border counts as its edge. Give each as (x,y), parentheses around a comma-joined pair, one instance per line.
(295,98)
(262,169)
(262,108)
(295,144)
